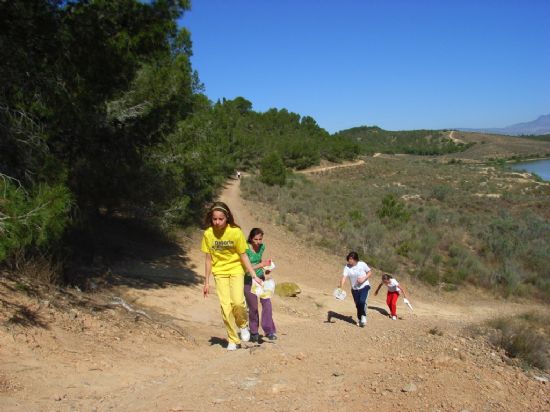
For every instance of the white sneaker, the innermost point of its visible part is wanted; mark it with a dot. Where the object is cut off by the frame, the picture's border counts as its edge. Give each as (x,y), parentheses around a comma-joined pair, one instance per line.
(363,321)
(231,346)
(245,334)
(394,317)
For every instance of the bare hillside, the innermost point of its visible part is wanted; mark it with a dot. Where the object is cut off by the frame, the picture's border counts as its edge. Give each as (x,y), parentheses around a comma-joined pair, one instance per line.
(498,146)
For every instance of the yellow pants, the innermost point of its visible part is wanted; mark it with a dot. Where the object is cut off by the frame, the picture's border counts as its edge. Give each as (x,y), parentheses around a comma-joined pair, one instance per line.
(230,290)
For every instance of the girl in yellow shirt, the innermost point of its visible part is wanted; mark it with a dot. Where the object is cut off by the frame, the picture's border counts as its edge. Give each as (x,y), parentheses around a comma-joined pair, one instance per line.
(225,247)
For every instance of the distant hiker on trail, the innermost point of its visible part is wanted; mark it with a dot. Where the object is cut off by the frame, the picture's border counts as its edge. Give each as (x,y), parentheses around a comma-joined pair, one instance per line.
(256,248)
(358,273)
(225,247)
(393,293)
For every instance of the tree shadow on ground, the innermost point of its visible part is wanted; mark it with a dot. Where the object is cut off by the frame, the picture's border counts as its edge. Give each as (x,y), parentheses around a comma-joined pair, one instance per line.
(13,288)
(26,317)
(23,315)
(214,340)
(331,314)
(380,310)
(127,251)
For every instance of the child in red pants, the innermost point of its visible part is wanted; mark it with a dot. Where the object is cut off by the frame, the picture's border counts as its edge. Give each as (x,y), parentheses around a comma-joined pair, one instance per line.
(393,293)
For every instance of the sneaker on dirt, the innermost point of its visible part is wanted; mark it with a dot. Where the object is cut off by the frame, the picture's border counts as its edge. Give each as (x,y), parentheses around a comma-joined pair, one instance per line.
(245,334)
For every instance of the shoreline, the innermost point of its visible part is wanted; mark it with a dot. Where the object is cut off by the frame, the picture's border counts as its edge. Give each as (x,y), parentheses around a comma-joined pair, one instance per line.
(529,160)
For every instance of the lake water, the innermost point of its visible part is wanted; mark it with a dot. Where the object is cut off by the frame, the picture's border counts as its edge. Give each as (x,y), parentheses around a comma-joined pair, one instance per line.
(540,167)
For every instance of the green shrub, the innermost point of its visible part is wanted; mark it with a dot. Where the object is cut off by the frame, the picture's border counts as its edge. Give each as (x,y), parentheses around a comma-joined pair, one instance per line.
(372,260)
(387,263)
(393,210)
(437,259)
(272,170)
(440,192)
(457,275)
(501,237)
(508,276)
(406,247)
(450,287)
(37,219)
(429,274)
(456,251)
(433,216)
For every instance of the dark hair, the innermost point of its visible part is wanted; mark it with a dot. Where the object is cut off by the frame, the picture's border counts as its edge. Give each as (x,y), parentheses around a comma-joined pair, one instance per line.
(220,207)
(352,255)
(254,232)
(386,276)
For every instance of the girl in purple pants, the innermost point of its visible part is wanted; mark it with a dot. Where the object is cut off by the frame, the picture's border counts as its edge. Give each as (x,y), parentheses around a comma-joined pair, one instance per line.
(255,251)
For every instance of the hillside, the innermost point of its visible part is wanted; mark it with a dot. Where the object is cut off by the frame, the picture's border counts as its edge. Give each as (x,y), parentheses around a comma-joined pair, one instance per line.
(485,147)
(419,142)
(448,144)
(77,350)
(448,223)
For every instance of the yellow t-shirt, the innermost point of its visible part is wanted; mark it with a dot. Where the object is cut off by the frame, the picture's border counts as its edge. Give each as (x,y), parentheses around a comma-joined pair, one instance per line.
(225,248)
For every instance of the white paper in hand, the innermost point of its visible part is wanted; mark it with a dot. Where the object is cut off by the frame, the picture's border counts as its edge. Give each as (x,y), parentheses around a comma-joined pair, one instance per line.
(269,267)
(406,302)
(268,289)
(339,294)
(256,288)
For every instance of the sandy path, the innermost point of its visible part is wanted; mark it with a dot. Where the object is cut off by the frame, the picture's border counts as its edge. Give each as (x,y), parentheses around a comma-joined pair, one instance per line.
(319,169)
(454,139)
(315,365)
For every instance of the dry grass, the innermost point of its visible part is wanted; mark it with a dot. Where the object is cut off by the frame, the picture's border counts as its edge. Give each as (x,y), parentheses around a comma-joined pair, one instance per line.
(524,337)
(41,269)
(449,223)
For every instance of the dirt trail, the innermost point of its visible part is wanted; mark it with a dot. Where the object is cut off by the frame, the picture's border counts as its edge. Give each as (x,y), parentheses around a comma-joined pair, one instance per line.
(319,169)
(321,361)
(454,139)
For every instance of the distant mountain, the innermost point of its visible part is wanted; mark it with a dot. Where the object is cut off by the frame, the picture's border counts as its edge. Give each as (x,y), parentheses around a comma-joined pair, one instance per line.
(535,127)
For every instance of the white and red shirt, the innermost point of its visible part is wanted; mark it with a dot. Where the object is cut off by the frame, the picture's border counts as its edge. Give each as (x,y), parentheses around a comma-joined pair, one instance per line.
(393,286)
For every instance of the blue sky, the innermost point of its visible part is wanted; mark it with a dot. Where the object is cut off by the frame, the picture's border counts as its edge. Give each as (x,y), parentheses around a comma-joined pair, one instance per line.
(397,64)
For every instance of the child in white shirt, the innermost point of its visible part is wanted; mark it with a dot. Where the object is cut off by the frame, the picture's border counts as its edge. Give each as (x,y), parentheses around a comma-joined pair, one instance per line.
(394,290)
(358,273)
